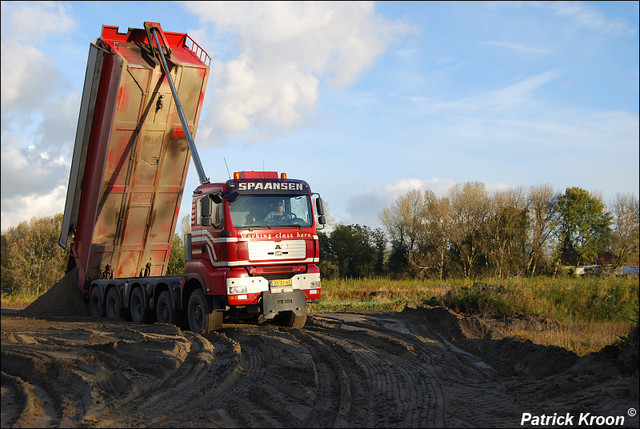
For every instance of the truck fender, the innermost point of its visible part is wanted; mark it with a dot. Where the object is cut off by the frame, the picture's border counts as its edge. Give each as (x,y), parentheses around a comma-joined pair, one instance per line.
(194,281)
(143,289)
(190,282)
(154,290)
(101,287)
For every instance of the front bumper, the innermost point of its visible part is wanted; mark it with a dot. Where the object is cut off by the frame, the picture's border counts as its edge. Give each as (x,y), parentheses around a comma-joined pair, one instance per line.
(246,290)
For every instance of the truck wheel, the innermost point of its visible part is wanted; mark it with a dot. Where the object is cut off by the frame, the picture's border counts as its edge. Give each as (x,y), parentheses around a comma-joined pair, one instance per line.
(139,312)
(164,309)
(113,304)
(201,319)
(294,321)
(95,303)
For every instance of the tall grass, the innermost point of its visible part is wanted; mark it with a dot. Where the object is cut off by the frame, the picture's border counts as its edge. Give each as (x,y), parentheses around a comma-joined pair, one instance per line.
(562,299)
(19,299)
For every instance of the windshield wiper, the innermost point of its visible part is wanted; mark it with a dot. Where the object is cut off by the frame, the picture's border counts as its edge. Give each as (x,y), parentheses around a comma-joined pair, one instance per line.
(293,225)
(252,227)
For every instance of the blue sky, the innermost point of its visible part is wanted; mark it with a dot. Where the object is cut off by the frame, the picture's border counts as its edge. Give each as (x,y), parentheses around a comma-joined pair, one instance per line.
(365,101)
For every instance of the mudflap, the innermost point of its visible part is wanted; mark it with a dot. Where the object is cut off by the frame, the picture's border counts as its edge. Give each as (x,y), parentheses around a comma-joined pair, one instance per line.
(274,303)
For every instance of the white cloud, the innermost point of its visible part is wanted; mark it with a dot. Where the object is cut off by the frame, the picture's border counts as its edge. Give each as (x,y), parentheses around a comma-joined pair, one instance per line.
(505,101)
(36,140)
(585,16)
(28,75)
(30,170)
(26,79)
(39,115)
(56,130)
(22,208)
(507,98)
(364,208)
(284,52)
(439,187)
(31,22)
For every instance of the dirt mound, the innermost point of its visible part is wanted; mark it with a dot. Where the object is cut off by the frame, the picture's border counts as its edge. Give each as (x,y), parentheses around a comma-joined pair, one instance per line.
(523,357)
(453,326)
(64,299)
(508,355)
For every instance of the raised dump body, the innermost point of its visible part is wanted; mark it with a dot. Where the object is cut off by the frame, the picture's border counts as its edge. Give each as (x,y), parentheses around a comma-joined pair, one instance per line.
(131,155)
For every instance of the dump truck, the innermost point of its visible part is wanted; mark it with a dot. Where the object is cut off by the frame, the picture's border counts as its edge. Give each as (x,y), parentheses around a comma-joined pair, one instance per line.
(253,249)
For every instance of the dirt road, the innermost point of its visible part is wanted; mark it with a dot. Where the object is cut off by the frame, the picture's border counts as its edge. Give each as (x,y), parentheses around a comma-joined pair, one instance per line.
(406,369)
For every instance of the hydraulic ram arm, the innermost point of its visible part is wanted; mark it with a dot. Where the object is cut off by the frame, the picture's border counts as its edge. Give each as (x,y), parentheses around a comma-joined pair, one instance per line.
(154,28)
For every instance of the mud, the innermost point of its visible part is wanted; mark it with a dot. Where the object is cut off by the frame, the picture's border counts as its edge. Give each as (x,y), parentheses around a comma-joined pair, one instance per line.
(423,367)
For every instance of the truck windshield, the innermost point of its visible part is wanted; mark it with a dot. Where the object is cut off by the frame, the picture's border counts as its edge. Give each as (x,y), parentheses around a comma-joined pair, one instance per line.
(271,211)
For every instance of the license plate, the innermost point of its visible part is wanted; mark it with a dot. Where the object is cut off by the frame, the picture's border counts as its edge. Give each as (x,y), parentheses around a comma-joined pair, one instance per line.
(286,282)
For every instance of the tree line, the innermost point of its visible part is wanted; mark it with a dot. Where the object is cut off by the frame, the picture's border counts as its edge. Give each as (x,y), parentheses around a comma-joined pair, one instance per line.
(470,233)
(466,233)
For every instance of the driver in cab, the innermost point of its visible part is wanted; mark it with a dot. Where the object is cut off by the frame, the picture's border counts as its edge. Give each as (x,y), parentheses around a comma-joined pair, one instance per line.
(278,214)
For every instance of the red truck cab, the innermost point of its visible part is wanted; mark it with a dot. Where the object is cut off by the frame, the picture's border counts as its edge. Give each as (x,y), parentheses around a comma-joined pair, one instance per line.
(254,247)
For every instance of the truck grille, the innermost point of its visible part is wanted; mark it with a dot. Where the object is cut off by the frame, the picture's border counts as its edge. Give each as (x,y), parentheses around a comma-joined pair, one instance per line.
(287,249)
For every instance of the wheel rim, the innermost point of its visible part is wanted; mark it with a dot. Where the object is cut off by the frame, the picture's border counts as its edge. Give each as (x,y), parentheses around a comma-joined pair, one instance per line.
(164,313)
(95,305)
(111,303)
(136,308)
(196,316)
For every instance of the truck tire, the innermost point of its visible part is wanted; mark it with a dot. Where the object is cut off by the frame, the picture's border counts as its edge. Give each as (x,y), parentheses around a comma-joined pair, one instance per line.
(113,304)
(201,319)
(95,303)
(164,309)
(294,321)
(139,311)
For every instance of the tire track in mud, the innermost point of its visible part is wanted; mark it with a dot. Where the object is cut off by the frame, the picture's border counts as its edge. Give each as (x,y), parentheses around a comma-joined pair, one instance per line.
(402,391)
(387,388)
(62,377)
(341,370)
(329,374)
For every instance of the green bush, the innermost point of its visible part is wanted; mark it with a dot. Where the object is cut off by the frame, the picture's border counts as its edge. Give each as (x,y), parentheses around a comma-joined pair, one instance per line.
(480,298)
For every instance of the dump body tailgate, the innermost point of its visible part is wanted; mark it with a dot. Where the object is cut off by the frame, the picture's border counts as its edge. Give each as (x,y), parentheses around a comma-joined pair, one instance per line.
(131,155)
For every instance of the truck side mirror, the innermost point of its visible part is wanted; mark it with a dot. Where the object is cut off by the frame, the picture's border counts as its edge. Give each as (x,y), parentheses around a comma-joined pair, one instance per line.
(322,220)
(205,211)
(320,207)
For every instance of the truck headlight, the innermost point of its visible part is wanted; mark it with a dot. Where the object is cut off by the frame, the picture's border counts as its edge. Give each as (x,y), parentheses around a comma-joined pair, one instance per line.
(233,290)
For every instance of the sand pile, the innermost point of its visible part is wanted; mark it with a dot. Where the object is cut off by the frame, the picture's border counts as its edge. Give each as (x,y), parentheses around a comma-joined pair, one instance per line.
(64,299)
(509,355)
